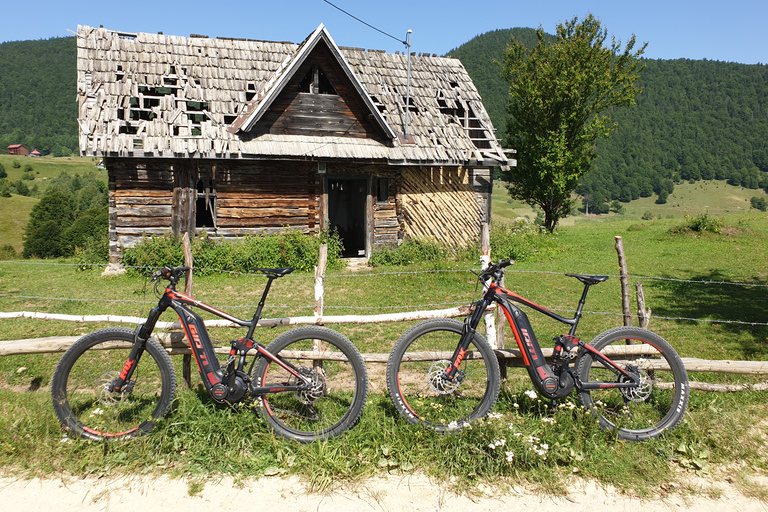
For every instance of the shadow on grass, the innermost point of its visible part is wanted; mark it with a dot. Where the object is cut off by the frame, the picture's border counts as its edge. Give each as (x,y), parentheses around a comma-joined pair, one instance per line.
(740,309)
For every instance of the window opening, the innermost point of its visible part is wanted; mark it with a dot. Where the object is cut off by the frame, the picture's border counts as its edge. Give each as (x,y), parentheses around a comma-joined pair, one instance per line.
(315,82)
(382,190)
(205,206)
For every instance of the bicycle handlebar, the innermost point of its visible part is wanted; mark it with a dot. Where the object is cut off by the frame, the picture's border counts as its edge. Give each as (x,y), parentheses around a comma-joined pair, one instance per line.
(172,274)
(495,271)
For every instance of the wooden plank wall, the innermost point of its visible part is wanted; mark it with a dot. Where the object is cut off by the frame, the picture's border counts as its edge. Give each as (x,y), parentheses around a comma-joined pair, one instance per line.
(439,202)
(266,197)
(157,197)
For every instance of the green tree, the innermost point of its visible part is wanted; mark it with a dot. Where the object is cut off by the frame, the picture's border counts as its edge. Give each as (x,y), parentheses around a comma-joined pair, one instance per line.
(557,94)
(47,221)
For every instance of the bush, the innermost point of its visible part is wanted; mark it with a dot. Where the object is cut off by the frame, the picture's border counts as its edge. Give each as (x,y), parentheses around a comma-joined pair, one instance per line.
(414,250)
(289,249)
(699,224)
(519,241)
(759,203)
(7,252)
(704,222)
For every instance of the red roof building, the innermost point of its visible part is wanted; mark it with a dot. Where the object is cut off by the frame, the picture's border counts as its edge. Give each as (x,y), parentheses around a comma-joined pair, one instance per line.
(18,149)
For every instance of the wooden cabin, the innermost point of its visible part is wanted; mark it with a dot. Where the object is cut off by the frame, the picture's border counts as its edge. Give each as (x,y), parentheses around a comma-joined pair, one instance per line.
(237,137)
(18,150)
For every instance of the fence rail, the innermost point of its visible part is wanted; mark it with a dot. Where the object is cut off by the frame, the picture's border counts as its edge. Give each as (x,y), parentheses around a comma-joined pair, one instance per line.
(175,344)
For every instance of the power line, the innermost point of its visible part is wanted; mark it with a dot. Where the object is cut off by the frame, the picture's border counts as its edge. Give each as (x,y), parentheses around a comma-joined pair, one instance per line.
(364,23)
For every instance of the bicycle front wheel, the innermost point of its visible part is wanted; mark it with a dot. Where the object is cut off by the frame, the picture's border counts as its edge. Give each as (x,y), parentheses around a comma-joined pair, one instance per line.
(416,376)
(80,386)
(334,401)
(637,413)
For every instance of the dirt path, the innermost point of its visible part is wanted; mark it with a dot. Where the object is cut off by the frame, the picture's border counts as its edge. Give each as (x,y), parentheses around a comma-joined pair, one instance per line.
(393,493)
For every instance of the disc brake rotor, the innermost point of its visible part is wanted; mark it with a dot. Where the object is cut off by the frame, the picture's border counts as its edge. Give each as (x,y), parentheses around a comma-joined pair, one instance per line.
(643,389)
(103,394)
(438,380)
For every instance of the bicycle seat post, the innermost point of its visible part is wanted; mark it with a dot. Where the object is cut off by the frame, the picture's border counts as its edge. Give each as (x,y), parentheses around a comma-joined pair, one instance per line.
(579,309)
(257,314)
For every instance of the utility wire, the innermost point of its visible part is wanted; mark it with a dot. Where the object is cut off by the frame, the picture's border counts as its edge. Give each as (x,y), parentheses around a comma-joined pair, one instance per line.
(364,23)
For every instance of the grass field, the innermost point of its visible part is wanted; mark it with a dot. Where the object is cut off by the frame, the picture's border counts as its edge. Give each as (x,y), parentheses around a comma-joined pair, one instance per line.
(200,437)
(707,292)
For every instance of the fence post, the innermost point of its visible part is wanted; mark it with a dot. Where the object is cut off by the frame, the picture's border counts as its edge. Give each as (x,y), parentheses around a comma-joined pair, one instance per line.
(186,363)
(624,282)
(322,262)
(643,313)
(485,259)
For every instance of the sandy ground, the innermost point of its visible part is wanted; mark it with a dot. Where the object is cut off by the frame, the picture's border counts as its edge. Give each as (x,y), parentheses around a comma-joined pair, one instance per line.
(411,493)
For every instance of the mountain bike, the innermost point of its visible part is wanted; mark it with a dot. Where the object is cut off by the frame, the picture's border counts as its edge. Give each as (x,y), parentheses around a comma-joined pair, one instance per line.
(443,374)
(310,383)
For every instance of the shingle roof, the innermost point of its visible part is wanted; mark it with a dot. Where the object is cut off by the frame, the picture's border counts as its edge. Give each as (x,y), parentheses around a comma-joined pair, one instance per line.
(155,95)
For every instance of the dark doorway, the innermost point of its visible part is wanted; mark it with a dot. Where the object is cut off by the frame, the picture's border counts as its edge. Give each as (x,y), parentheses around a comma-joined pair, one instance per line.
(346,213)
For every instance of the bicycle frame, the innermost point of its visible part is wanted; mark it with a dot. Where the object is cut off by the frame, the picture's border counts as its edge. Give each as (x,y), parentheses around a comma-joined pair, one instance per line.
(556,380)
(224,385)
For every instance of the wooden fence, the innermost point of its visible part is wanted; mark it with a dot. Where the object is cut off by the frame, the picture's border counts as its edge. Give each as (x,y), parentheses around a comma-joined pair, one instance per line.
(176,344)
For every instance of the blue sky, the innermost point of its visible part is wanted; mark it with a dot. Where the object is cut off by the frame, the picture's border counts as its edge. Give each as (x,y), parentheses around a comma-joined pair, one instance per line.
(733,31)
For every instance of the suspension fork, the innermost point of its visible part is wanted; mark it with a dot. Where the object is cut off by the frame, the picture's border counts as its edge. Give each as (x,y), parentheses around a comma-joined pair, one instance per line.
(467,334)
(142,334)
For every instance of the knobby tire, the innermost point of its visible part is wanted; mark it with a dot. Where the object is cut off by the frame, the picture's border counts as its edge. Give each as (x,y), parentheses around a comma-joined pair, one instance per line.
(79,388)
(642,413)
(341,384)
(418,390)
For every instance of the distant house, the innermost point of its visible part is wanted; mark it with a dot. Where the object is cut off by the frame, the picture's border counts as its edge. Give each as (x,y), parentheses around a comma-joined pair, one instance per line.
(236,137)
(18,149)
(35,153)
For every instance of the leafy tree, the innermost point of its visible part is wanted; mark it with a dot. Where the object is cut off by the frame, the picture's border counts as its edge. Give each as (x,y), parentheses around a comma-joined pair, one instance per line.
(47,221)
(3,173)
(557,95)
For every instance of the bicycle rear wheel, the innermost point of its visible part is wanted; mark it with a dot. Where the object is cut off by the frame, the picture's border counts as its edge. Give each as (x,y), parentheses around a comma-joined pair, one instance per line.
(339,388)
(644,412)
(416,382)
(80,386)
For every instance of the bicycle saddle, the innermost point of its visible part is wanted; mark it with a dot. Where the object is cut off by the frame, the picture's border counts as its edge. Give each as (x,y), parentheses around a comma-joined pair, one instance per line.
(274,272)
(589,279)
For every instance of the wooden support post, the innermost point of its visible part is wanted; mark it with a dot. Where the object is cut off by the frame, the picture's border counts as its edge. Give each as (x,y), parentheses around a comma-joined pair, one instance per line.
(643,314)
(322,262)
(319,282)
(186,364)
(485,259)
(623,275)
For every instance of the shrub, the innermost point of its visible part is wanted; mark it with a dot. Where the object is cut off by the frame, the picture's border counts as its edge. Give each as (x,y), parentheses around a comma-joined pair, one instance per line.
(7,252)
(288,249)
(759,203)
(414,250)
(704,222)
(518,241)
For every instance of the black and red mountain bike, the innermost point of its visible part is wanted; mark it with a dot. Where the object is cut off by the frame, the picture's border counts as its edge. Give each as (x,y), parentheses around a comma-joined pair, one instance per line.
(443,374)
(310,382)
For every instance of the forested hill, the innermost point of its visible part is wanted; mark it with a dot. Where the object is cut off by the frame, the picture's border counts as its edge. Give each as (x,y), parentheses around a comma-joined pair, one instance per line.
(695,119)
(38,95)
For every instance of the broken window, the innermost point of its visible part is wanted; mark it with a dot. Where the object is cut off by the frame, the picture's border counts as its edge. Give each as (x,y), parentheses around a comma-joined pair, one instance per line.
(315,82)
(382,190)
(205,206)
